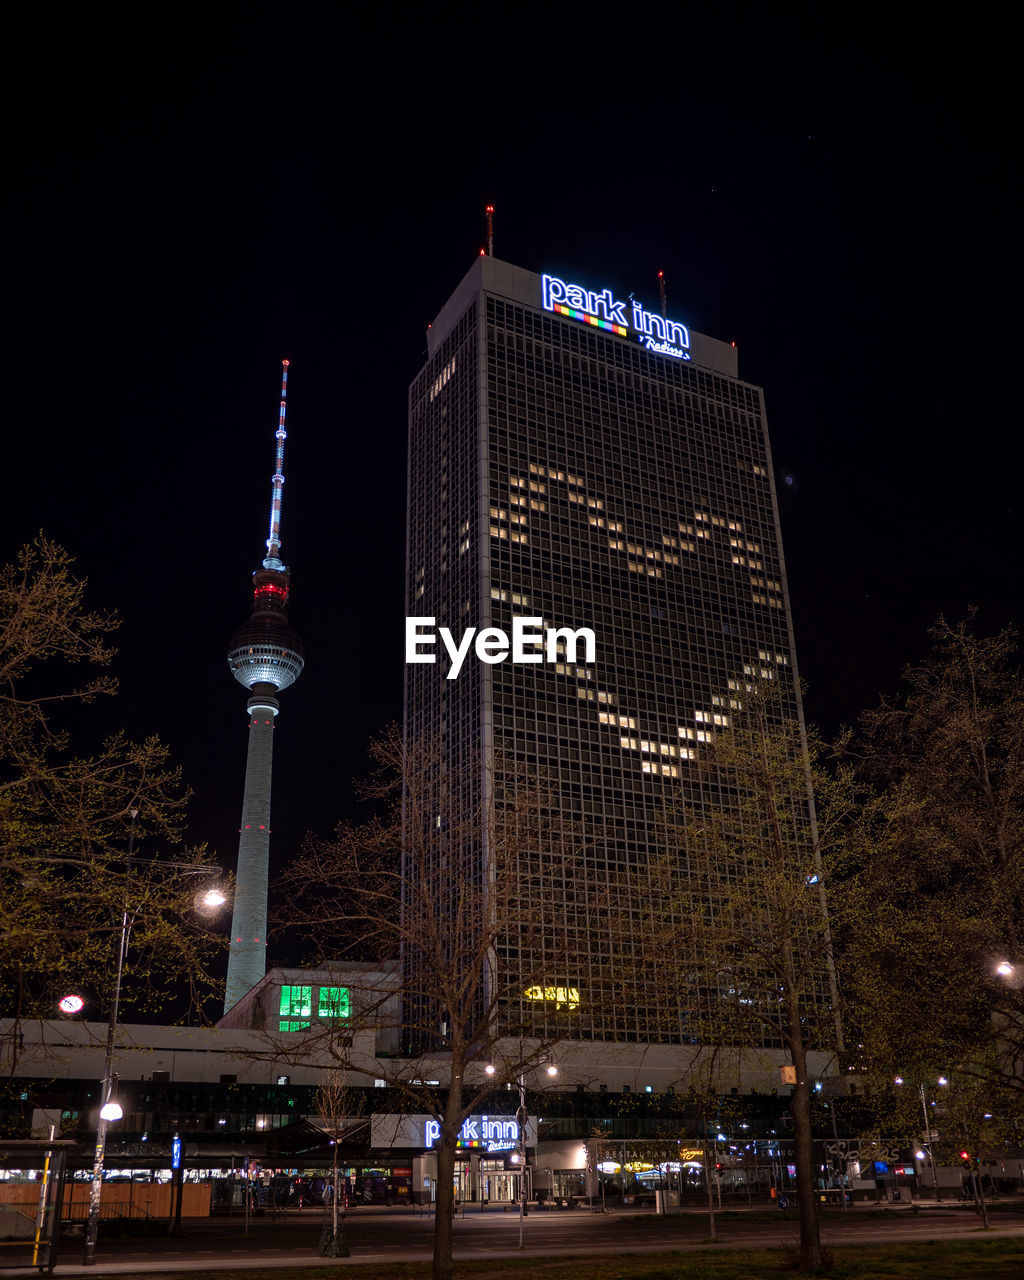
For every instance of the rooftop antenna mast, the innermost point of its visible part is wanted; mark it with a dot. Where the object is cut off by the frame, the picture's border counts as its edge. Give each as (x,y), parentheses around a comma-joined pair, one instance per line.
(661,286)
(273,559)
(490,230)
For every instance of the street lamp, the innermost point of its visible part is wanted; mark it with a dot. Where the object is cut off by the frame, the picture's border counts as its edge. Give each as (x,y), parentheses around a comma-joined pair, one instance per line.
(928,1133)
(110,1108)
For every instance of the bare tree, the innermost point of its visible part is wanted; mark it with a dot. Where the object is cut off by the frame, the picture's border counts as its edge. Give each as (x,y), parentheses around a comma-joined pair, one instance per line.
(335,1104)
(447,893)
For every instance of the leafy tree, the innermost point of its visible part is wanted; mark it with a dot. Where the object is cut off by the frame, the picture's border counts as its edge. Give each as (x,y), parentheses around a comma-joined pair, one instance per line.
(741,929)
(452,937)
(68,819)
(941,883)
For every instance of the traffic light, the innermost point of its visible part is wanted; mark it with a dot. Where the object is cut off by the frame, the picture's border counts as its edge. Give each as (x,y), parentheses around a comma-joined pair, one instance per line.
(965,1159)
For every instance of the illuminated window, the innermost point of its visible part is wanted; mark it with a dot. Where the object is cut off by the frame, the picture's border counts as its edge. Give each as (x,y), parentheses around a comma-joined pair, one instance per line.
(608,717)
(668,770)
(439,382)
(296,1008)
(334,1002)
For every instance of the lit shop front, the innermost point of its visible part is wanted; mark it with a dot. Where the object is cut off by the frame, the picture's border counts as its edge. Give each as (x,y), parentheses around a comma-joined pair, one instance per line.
(488,1162)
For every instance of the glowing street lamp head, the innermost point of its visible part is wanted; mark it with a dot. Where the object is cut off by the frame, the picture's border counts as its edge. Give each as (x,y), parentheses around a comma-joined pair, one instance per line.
(213,898)
(111,1111)
(1004,969)
(71,1004)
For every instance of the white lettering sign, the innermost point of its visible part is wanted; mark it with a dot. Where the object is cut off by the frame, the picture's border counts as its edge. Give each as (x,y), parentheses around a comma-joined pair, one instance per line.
(530,642)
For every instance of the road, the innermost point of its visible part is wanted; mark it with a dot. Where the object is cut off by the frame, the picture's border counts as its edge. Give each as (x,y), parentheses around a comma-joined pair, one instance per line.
(400,1235)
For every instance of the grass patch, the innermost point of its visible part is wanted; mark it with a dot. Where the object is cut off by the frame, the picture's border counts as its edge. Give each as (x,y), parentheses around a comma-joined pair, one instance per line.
(918,1260)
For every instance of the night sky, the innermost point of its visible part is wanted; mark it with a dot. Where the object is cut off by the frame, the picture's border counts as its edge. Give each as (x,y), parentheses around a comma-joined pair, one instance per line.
(194,201)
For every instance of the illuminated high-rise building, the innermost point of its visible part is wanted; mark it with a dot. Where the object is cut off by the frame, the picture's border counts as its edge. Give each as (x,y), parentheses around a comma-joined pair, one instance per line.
(265,656)
(578,459)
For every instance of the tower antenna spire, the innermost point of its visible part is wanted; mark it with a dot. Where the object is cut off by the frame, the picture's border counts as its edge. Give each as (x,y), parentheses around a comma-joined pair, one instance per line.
(661,286)
(490,230)
(273,558)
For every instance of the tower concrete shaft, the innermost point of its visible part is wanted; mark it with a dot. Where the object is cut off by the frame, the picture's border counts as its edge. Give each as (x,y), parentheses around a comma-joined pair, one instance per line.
(247,959)
(265,656)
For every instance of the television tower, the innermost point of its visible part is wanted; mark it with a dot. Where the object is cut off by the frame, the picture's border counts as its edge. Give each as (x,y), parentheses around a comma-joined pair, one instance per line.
(266,656)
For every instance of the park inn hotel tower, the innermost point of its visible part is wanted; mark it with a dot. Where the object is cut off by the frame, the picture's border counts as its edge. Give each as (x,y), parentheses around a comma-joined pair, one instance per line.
(578,459)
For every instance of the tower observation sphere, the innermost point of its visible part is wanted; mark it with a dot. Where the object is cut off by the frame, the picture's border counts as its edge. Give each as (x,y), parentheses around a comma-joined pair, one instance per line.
(265,655)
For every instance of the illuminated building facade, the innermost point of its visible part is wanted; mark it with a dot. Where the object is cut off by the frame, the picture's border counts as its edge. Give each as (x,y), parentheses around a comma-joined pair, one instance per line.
(578,460)
(265,656)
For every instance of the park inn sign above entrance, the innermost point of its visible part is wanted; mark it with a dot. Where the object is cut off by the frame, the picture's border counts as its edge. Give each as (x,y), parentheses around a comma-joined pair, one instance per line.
(478,1133)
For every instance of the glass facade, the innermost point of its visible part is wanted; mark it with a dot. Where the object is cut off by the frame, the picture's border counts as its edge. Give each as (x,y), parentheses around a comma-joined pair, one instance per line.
(562,472)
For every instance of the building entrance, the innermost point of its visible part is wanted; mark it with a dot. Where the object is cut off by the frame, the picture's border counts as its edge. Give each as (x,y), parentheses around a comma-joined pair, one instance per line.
(500,1187)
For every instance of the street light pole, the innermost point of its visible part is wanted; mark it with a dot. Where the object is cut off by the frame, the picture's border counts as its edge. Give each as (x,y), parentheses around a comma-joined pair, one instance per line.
(106,1088)
(931,1148)
(110,1110)
(522,1117)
